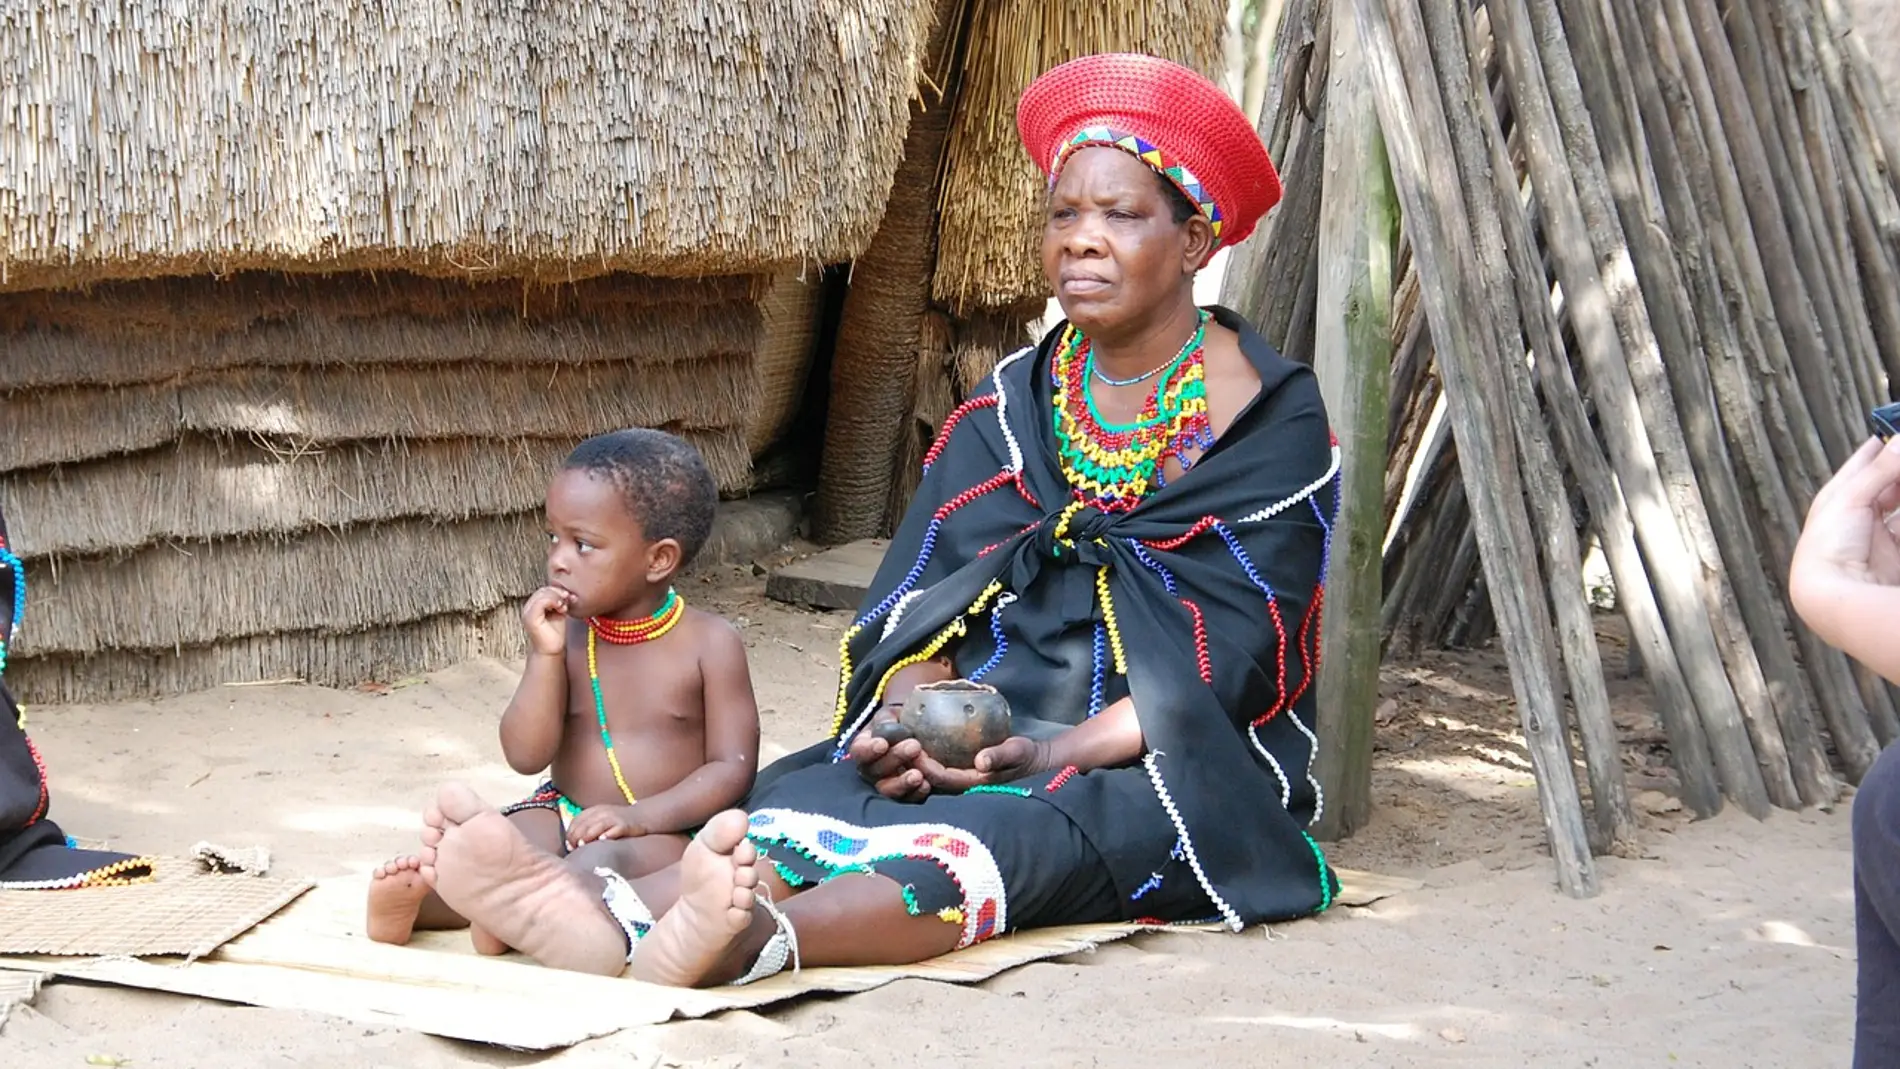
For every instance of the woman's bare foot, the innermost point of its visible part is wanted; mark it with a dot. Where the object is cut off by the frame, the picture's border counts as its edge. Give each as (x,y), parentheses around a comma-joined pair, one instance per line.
(396,892)
(715,907)
(487,871)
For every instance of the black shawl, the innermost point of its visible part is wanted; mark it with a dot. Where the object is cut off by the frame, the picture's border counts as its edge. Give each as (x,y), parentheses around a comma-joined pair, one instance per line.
(1214,586)
(34,852)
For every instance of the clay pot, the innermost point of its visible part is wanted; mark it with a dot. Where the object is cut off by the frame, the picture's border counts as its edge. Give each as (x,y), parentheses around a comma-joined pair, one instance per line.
(955,720)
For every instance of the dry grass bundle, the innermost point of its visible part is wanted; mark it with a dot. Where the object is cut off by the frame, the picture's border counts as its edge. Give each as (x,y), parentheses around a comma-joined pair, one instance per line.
(987,337)
(317,406)
(119,334)
(933,398)
(319,658)
(992,194)
(788,334)
(876,348)
(230,135)
(165,597)
(203,489)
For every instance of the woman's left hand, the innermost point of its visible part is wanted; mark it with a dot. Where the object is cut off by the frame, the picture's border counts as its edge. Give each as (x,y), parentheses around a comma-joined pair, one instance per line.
(1012,759)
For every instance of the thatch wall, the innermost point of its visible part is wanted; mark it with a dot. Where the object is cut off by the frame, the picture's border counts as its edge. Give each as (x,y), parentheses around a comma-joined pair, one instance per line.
(468,139)
(334,478)
(992,196)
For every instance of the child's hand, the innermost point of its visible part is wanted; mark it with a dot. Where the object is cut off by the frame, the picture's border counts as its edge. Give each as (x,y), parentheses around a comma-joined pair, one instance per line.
(604,822)
(545,618)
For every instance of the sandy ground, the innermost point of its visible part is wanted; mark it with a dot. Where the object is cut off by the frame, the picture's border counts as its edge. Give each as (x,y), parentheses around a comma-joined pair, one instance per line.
(1727,943)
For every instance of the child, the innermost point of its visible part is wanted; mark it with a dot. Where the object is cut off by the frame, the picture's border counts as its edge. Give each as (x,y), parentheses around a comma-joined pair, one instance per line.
(640,708)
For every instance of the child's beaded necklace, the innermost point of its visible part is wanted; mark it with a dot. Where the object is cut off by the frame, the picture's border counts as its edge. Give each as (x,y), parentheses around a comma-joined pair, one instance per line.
(1113,465)
(626,633)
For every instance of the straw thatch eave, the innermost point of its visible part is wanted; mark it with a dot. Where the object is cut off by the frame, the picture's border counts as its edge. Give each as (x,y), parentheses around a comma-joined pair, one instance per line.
(476,139)
(992,195)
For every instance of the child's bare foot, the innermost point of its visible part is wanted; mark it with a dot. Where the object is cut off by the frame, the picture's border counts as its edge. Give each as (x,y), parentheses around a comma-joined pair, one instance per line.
(396,892)
(715,907)
(486,943)
(487,871)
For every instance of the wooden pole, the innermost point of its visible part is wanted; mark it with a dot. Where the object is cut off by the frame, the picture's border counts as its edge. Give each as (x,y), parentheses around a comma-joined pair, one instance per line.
(1673,568)
(1794,307)
(1872,209)
(1570,418)
(1260,58)
(1302,24)
(1871,102)
(1271,278)
(1735,400)
(875,354)
(1452,39)
(1420,149)
(1738,268)
(1825,136)
(1672,366)
(1352,355)
(1424,551)
(1797,439)
(1766,83)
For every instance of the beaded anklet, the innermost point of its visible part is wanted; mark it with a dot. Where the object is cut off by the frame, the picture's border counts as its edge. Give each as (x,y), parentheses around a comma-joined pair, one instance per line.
(626,633)
(626,908)
(782,947)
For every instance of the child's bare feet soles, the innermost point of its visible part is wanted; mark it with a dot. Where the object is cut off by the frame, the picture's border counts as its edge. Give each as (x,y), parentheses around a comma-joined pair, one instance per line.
(487,871)
(714,911)
(396,892)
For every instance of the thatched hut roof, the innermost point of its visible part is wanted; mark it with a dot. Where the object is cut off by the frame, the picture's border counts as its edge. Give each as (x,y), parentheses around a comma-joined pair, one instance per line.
(993,196)
(478,138)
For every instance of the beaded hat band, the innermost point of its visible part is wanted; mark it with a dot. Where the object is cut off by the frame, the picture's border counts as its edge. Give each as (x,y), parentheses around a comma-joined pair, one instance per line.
(1169,117)
(1154,156)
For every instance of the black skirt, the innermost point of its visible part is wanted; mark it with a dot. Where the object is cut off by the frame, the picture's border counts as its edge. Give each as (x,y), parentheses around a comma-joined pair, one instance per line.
(992,860)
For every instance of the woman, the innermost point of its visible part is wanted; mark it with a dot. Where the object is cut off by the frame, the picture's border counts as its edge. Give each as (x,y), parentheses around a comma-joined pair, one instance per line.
(1125,533)
(1845,584)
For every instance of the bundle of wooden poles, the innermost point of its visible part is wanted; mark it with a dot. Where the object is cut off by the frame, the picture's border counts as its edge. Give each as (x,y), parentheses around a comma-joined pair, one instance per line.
(1642,293)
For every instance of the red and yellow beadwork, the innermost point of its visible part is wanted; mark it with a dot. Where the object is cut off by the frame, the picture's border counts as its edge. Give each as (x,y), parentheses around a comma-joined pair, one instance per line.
(625,633)
(1114,466)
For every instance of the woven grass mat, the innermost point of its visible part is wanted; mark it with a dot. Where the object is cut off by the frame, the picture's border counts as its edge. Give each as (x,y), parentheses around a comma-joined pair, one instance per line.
(17,989)
(313,957)
(182,912)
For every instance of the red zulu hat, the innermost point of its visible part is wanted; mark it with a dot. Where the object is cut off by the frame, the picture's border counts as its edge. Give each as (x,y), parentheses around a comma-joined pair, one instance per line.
(1169,117)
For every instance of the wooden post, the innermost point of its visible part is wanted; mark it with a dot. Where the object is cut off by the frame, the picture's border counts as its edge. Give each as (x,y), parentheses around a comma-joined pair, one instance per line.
(1352,356)
(1672,377)
(1678,174)
(875,354)
(1453,43)
(1673,568)
(1419,146)
(1267,279)
(1793,304)
(1570,417)
(1801,204)
(1792,437)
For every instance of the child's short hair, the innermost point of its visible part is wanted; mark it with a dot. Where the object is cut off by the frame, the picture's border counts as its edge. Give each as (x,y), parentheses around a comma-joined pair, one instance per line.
(663,479)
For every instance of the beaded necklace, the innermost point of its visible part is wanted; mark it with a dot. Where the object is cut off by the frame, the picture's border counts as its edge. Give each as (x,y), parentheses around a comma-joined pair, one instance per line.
(1112,465)
(626,633)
